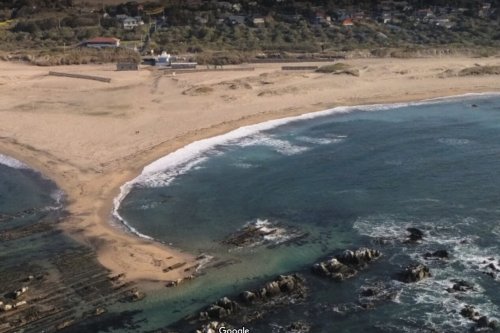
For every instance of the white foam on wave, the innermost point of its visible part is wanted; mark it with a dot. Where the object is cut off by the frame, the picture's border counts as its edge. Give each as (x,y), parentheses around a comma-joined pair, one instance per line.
(162,171)
(273,233)
(281,146)
(467,261)
(244,165)
(12,162)
(322,141)
(165,178)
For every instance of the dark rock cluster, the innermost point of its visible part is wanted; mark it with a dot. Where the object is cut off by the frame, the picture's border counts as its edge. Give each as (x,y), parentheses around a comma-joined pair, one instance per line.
(439,254)
(415,235)
(470,312)
(347,264)
(460,286)
(283,286)
(414,273)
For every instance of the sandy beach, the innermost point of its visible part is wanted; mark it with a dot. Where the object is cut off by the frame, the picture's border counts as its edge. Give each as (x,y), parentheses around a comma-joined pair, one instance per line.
(91,137)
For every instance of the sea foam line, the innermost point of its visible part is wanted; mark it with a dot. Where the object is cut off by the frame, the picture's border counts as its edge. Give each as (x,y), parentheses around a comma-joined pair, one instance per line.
(190,153)
(12,162)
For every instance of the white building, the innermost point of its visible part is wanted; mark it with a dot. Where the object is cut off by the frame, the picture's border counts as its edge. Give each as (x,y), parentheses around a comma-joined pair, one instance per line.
(130,23)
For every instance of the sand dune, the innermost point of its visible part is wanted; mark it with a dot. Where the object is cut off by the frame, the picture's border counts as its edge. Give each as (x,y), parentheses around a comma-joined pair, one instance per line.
(91,137)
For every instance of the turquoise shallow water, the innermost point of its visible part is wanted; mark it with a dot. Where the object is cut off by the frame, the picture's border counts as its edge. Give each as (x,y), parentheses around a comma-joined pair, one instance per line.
(345,179)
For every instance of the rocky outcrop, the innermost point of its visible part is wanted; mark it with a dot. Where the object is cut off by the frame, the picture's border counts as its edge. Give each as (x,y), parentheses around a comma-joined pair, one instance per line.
(376,293)
(248,297)
(490,268)
(439,254)
(282,286)
(212,327)
(135,295)
(334,269)
(359,257)
(298,327)
(414,273)
(460,286)
(264,232)
(470,312)
(220,310)
(415,235)
(346,264)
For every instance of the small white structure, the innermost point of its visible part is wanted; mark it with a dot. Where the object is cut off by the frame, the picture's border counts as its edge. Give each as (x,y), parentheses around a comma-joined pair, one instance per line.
(130,23)
(20,291)
(164,59)
(19,304)
(6,307)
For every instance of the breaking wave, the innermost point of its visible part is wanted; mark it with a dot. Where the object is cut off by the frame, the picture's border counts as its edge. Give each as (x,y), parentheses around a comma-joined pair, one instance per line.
(12,162)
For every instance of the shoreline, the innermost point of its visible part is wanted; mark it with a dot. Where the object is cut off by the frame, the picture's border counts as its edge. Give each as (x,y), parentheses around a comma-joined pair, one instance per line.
(91,176)
(185,157)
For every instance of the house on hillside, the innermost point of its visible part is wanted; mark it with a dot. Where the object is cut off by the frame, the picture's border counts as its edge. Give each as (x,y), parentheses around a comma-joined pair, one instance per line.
(321,18)
(101,42)
(130,23)
(258,21)
(385,17)
(236,19)
(348,22)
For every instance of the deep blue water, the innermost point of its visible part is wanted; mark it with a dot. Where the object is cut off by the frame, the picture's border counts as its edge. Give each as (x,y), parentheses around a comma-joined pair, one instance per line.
(346,179)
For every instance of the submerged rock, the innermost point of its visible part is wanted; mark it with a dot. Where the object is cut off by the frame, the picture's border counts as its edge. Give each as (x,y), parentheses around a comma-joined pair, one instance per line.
(347,264)
(135,295)
(415,234)
(439,254)
(460,286)
(469,312)
(298,327)
(264,232)
(414,273)
(377,292)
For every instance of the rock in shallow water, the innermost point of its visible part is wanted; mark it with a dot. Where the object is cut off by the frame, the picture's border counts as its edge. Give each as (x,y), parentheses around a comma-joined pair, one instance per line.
(414,273)
(347,264)
(460,286)
(439,254)
(469,312)
(334,269)
(415,234)
(298,327)
(283,287)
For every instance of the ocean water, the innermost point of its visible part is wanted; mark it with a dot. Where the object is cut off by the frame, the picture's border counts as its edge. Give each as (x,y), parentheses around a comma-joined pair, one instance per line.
(346,177)
(26,198)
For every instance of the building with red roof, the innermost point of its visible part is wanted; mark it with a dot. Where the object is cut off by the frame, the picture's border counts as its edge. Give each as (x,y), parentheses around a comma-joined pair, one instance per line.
(348,22)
